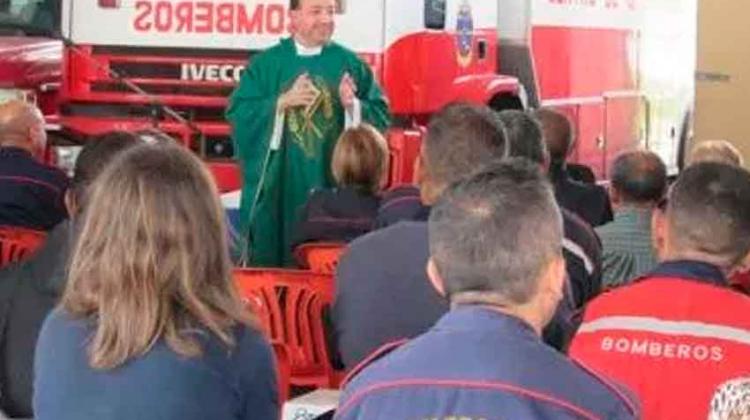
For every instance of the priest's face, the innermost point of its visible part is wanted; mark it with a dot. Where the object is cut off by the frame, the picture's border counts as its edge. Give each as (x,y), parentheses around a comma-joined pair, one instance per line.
(313,22)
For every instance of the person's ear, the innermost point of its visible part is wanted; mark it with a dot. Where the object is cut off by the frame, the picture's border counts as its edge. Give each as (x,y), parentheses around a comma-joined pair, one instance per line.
(38,138)
(70,203)
(417,175)
(743,266)
(614,196)
(294,16)
(435,278)
(659,232)
(553,278)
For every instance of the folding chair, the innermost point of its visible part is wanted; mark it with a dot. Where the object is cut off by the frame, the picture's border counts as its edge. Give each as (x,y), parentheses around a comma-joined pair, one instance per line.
(294,301)
(320,257)
(18,243)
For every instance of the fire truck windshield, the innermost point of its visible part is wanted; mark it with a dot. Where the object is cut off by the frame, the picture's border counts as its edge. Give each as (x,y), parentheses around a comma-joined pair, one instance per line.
(29,17)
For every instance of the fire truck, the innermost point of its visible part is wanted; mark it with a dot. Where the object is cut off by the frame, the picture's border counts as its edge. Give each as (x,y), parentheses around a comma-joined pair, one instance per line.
(129,63)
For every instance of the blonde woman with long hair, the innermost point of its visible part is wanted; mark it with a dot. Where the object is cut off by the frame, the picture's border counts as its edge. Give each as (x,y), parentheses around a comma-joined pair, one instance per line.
(149,326)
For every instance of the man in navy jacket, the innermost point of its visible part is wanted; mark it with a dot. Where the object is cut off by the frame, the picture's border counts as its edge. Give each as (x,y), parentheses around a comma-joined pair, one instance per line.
(485,358)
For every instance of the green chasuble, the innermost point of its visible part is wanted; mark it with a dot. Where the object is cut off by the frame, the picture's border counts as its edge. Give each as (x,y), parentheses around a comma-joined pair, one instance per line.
(301,161)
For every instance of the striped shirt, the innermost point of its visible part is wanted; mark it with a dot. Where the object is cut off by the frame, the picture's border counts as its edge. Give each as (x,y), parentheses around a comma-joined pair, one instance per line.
(627,249)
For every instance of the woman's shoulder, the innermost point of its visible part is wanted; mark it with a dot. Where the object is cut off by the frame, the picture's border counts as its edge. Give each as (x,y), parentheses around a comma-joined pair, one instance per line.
(60,319)
(62,330)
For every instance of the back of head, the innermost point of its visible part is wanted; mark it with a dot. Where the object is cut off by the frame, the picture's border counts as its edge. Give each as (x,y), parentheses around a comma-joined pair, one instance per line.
(639,177)
(731,401)
(492,235)
(708,214)
(360,159)
(558,133)
(22,125)
(524,136)
(720,151)
(460,138)
(151,261)
(96,155)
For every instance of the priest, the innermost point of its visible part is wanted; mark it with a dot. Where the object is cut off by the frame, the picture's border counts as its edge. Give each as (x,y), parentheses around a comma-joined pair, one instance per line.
(291,105)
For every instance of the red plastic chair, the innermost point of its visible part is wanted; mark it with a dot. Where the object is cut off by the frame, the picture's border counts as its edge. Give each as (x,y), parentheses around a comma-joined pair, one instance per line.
(294,301)
(320,257)
(18,243)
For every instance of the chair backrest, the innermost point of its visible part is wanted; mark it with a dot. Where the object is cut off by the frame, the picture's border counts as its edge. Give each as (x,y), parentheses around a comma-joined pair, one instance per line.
(291,306)
(18,243)
(320,257)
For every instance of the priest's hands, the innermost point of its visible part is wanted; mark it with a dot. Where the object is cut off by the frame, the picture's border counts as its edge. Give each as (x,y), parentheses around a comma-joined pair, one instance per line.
(347,91)
(302,93)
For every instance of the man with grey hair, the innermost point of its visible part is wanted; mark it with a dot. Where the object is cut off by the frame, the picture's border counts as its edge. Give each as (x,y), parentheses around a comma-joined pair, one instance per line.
(581,247)
(382,291)
(32,192)
(589,201)
(680,331)
(485,358)
(639,181)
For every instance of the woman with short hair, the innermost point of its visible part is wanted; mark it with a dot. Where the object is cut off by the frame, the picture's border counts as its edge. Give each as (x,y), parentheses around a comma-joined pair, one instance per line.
(360,168)
(150,326)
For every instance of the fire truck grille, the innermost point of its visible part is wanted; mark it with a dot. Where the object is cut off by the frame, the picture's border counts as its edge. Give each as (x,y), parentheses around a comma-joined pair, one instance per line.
(196,81)
(146,71)
(187,90)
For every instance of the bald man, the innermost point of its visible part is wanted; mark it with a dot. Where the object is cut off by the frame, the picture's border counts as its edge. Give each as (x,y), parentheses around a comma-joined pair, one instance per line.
(31,193)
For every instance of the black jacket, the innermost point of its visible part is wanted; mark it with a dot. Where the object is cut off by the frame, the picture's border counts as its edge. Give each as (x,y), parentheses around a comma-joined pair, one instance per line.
(589,201)
(31,193)
(335,215)
(28,292)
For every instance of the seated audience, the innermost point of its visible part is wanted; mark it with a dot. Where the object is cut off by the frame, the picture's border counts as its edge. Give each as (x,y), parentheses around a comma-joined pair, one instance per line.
(639,181)
(731,401)
(401,203)
(679,331)
(360,169)
(484,358)
(588,201)
(719,151)
(32,192)
(30,290)
(382,292)
(581,173)
(150,326)
(581,248)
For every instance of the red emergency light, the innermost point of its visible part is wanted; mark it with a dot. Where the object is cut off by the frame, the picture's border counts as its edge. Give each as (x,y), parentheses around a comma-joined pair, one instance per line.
(109,4)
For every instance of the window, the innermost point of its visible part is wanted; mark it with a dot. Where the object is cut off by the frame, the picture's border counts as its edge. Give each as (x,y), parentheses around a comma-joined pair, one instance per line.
(30,17)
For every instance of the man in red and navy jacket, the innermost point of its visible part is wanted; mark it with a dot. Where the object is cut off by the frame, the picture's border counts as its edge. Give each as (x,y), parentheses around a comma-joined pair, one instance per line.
(677,333)
(485,358)
(31,193)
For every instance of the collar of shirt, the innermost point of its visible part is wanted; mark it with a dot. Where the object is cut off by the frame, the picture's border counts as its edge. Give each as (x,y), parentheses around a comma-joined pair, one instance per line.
(630,214)
(303,51)
(693,270)
(10,151)
(477,317)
